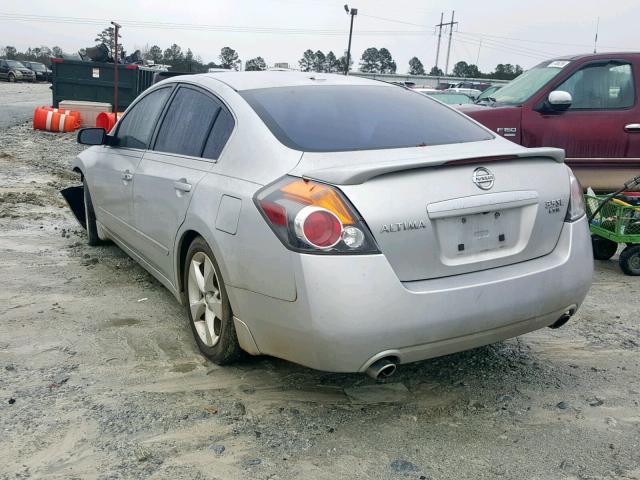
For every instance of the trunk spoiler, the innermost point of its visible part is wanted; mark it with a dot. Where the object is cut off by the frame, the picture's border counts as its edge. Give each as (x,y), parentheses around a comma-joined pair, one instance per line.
(356,173)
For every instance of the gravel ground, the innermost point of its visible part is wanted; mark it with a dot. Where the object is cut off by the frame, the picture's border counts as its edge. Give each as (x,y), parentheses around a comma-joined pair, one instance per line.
(100,376)
(18,101)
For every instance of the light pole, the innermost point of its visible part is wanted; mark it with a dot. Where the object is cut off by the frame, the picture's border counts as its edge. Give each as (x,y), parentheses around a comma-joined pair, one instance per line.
(115,71)
(353,12)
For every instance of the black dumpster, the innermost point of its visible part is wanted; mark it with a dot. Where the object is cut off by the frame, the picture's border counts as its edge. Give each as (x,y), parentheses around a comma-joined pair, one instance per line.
(93,81)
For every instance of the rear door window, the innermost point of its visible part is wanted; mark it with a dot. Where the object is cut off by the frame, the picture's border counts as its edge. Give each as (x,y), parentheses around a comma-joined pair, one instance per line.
(601,87)
(137,125)
(219,135)
(187,123)
(330,118)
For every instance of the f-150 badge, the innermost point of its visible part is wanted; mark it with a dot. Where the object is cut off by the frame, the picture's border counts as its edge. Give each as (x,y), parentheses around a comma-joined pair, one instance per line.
(507,131)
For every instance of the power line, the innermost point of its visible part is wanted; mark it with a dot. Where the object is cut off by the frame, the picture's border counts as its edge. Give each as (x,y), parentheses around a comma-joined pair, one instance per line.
(584,45)
(501,48)
(394,21)
(201,27)
(513,47)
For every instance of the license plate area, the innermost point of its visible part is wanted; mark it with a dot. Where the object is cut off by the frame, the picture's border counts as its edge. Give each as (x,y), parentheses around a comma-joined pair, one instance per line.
(479,236)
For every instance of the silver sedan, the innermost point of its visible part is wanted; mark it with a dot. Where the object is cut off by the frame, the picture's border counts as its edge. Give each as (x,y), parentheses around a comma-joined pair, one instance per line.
(341,223)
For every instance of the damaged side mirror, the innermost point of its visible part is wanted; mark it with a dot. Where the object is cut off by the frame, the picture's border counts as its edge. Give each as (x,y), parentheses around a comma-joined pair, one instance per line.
(92,136)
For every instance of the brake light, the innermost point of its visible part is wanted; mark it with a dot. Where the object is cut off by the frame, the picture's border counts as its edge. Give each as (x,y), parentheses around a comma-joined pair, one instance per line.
(575,209)
(275,213)
(318,227)
(313,217)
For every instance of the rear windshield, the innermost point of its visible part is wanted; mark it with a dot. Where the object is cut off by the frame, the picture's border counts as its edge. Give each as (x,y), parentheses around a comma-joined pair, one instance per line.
(330,118)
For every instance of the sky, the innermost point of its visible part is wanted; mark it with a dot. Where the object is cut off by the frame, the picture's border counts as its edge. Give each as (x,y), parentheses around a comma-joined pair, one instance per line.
(489,32)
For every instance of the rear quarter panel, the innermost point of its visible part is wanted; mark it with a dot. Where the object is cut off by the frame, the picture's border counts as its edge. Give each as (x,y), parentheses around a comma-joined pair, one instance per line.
(252,258)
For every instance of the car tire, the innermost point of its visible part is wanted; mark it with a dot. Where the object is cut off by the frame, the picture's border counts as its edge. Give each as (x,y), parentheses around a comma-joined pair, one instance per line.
(11,78)
(603,248)
(208,307)
(630,260)
(90,216)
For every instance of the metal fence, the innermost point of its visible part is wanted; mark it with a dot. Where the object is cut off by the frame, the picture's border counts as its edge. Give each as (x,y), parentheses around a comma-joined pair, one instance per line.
(425,80)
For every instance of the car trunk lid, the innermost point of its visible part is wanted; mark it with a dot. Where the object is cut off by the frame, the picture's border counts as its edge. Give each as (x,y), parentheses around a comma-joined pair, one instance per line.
(438,214)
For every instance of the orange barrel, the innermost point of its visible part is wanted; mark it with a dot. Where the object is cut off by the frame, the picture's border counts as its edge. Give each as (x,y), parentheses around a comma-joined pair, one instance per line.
(62,111)
(106,120)
(54,121)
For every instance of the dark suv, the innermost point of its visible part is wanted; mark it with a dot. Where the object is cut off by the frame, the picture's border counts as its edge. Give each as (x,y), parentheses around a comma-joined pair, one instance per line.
(43,74)
(14,71)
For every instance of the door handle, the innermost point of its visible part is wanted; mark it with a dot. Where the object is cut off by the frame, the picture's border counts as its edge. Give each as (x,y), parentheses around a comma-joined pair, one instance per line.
(127,176)
(182,185)
(632,127)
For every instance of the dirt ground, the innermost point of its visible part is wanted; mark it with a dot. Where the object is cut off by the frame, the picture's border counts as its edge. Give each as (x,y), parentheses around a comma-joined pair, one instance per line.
(18,100)
(100,376)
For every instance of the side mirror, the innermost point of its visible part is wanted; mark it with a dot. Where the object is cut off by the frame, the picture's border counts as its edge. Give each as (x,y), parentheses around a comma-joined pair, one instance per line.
(559,100)
(92,136)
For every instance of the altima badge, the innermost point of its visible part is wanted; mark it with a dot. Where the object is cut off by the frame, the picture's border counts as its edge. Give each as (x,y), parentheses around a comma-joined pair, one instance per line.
(483,178)
(402,226)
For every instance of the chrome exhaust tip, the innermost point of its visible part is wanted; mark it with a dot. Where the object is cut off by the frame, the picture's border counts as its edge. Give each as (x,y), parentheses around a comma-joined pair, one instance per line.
(382,368)
(564,318)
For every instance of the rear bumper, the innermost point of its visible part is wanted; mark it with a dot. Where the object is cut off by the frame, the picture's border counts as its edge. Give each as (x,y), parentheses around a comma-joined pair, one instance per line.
(352,310)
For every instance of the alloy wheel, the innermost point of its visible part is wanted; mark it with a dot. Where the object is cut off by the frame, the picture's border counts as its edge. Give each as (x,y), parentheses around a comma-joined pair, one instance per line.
(205,299)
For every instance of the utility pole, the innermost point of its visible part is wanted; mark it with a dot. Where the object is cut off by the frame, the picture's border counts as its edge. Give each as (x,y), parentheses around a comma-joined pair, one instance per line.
(353,12)
(478,57)
(451,24)
(440,25)
(115,72)
(595,42)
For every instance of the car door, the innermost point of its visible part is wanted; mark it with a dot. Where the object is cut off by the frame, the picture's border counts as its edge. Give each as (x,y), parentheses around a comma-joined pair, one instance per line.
(112,178)
(599,130)
(187,143)
(4,69)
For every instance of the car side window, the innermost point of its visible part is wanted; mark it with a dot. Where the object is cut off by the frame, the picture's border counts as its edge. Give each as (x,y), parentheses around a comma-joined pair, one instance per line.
(219,134)
(601,87)
(137,125)
(187,123)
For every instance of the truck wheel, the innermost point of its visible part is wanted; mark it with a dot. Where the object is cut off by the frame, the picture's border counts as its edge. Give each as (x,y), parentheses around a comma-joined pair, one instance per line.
(630,260)
(208,306)
(12,78)
(90,216)
(603,248)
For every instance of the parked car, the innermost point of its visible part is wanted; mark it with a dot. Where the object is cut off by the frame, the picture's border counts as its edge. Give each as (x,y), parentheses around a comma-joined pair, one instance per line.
(487,95)
(473,93)
(450,98)
(43,74)
(471,89)
(337,222)
(424,90)
(584,104)
(14,71)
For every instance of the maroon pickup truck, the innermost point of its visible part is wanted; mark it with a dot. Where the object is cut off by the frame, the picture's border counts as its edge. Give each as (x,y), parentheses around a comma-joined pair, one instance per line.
(585,104)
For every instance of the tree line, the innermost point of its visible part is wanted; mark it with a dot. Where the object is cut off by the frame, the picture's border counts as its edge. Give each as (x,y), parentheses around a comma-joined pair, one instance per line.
(372,60)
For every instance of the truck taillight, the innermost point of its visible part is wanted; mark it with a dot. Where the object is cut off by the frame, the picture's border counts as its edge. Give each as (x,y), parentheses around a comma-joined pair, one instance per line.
(313,217)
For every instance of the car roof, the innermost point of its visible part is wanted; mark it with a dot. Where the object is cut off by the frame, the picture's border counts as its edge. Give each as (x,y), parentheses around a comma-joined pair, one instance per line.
(599,56)
(269,79)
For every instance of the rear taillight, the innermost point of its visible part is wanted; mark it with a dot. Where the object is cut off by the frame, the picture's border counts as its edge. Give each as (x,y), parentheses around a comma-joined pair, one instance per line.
(313,217)
(576,200)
